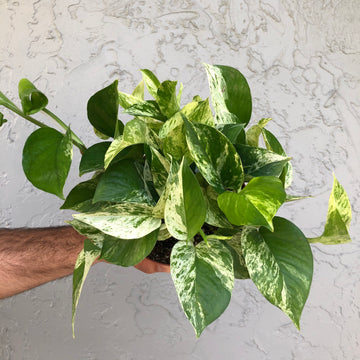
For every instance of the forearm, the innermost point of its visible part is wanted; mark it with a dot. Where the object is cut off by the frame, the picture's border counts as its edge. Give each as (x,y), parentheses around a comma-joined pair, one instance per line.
(31,257)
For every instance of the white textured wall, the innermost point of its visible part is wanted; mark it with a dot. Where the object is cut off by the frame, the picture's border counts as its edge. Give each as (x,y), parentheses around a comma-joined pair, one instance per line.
(302,59)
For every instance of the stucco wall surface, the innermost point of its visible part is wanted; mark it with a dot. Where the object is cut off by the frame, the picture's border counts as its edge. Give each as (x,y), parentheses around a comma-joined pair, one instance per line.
(302,60)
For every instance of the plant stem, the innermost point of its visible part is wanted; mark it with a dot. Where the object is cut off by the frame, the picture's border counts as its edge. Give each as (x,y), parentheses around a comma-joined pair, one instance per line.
(16,110)
(76,140)
(204,237)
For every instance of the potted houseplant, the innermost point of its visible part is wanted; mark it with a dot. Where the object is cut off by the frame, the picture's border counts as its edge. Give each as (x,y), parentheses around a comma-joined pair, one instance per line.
(189,176)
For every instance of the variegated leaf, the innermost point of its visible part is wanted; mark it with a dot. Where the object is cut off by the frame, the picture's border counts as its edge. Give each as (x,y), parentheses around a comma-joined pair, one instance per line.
(280,263)
(139,90)
(253,134)
(215,156)
(148,108)
(199,111)
(261,162)
(185,209)
(151,81)
(204,279)
(83,263)
(160,168)
(273,144)
(234,132)
(230,94)
(338,220)
(167,98)
(214,215)
(125,221)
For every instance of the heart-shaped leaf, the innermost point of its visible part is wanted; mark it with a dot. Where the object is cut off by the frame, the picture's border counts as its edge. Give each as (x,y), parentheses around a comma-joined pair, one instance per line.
(230,94)
(32,99)
(280,263)
(256,204)
(204,278)
(47,158)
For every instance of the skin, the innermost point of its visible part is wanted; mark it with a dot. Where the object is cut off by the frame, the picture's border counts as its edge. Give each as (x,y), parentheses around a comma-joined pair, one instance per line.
(31,257)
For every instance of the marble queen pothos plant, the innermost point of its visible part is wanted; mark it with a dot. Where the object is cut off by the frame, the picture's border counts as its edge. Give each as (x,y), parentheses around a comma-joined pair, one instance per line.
(174,172)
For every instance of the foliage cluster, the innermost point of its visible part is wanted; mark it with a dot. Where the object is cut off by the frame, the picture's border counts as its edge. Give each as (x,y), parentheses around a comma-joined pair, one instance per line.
(168,172)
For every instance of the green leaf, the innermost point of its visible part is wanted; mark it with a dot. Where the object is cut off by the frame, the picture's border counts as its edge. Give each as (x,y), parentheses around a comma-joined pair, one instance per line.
(80,197)
(148,108)
(128,252)
(173,136)
(118,251)
(234,245)
(280,263)
(178,97)
(126,100)
(215,156)
(185,209)
(204,278)
(134,131)
(121,182)
(83,263)
(100,135)
(234,132)
(338,220)
(261,162)
(139,90)
(125,221)
(160,168)
(199,111)
(47,158)
(167,99)
(32,100)
(93,234)
(253,134)
(93,158)
(214,216)
(2,119)
(102,109)
(151,81)
(163,233)
(230,94)
(273,144)
(256,204)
